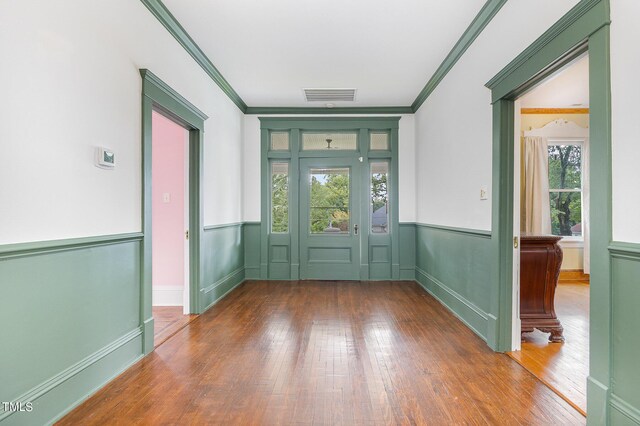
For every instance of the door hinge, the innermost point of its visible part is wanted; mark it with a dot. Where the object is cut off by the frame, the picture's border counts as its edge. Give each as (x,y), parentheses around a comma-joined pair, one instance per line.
(186,234)
(515,242)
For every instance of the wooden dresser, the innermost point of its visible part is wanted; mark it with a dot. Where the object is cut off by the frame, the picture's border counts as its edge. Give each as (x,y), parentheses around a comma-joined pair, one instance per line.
(540,261)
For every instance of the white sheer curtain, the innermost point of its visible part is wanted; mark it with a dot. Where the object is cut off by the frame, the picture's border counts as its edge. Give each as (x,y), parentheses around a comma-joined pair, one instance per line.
(536,181)
(586,265)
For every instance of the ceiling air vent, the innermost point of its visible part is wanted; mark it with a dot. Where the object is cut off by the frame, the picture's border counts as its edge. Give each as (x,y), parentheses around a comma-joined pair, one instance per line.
(330,95)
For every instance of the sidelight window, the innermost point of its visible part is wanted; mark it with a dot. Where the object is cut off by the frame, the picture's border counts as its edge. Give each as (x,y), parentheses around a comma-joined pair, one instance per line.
(379,208)
(279,197)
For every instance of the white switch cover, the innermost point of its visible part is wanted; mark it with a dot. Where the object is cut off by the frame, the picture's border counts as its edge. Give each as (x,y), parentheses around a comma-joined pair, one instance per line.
(166,197)
(483,193)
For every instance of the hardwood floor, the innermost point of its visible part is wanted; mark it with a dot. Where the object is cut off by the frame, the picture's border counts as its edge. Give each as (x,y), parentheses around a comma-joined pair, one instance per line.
(325,353)
(167,320)
(563,366)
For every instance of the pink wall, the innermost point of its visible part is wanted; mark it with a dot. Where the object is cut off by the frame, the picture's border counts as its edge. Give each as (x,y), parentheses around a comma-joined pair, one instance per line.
(169,144)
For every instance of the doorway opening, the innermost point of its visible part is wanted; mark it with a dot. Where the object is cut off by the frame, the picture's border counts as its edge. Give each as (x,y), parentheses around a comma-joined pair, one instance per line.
(552,232)
(170,227)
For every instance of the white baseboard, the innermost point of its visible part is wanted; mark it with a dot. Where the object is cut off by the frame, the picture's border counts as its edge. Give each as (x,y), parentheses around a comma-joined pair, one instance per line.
(168,295)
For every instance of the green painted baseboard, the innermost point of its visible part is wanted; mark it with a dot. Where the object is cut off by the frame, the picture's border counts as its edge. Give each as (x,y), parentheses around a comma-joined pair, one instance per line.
(453,265)
(623,413)
(223,266)
(73,385)
(216,291)
(472,316)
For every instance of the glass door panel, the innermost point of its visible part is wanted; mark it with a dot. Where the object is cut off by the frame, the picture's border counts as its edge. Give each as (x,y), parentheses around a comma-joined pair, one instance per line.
(329,201)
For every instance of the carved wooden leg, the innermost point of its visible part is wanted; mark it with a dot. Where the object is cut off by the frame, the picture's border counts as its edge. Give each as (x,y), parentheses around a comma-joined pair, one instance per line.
(556,334)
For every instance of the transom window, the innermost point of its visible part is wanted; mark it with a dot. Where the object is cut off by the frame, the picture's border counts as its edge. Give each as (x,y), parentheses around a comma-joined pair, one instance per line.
(329,141)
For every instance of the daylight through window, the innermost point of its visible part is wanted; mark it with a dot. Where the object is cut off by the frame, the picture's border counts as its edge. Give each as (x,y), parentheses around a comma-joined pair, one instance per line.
(565,189)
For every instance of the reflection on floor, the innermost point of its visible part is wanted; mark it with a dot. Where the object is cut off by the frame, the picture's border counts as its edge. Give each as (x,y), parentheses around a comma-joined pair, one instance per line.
(563,366)
(321,353)
(167,320)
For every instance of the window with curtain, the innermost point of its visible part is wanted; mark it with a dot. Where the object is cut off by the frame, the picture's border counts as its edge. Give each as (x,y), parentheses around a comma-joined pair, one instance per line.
(565,188)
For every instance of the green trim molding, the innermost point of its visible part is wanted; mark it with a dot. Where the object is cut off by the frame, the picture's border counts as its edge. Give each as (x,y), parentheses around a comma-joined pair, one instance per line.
(584,19)
(160,11)
(482,19)
(158,96)
(337,110)
(156,89)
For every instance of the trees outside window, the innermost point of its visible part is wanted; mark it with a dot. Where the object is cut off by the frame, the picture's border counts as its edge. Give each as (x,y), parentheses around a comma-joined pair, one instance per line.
(565,189)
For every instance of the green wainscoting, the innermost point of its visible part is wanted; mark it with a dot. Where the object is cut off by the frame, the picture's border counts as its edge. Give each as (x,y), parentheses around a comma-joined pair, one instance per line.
(407,247)
(223,262)
(70,315)
(407,250)
(251,233)
(453,265)
(625,328)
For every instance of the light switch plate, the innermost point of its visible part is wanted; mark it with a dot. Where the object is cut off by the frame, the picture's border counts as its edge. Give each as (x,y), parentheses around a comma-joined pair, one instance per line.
(483,193)
(166,197)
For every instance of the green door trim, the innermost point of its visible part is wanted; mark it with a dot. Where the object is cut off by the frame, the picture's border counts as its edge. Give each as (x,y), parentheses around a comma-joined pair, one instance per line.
(584,25)
(158,96)
(295,126)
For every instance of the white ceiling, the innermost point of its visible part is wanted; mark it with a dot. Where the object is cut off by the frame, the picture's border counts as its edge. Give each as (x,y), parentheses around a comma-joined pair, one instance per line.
(568,88)
(270,50)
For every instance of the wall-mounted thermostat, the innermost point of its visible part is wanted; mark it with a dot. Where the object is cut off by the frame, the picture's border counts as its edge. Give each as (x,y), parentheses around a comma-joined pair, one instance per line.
(105,158)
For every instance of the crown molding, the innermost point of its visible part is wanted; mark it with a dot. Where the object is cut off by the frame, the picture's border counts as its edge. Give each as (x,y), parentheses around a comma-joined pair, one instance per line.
(482,19)
(321,110)
(160,11)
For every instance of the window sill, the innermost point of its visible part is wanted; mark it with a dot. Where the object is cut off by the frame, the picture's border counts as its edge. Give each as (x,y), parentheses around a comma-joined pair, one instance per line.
(571,243)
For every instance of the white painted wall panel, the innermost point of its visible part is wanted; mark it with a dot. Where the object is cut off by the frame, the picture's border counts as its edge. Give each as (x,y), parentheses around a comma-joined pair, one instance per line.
(453,127)
(70,73)
(406,159)
(625,126)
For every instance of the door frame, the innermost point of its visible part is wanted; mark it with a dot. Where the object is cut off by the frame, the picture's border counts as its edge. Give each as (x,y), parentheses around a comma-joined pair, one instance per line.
(584,28)
(160,97)
(289,268)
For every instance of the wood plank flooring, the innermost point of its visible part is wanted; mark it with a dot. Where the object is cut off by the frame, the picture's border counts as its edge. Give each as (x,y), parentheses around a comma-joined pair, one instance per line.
(167,320)
(563,366)
(352,353)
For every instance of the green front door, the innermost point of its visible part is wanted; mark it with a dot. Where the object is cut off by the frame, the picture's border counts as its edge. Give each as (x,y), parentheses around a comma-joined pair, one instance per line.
(330,225)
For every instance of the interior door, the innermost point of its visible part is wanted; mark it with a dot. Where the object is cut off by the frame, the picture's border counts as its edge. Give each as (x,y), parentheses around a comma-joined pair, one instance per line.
(330,225)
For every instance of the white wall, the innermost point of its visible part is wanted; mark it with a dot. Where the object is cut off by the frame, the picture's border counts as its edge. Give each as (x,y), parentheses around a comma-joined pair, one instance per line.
(625,109)
(406,160)
(453,126)
(70,83)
